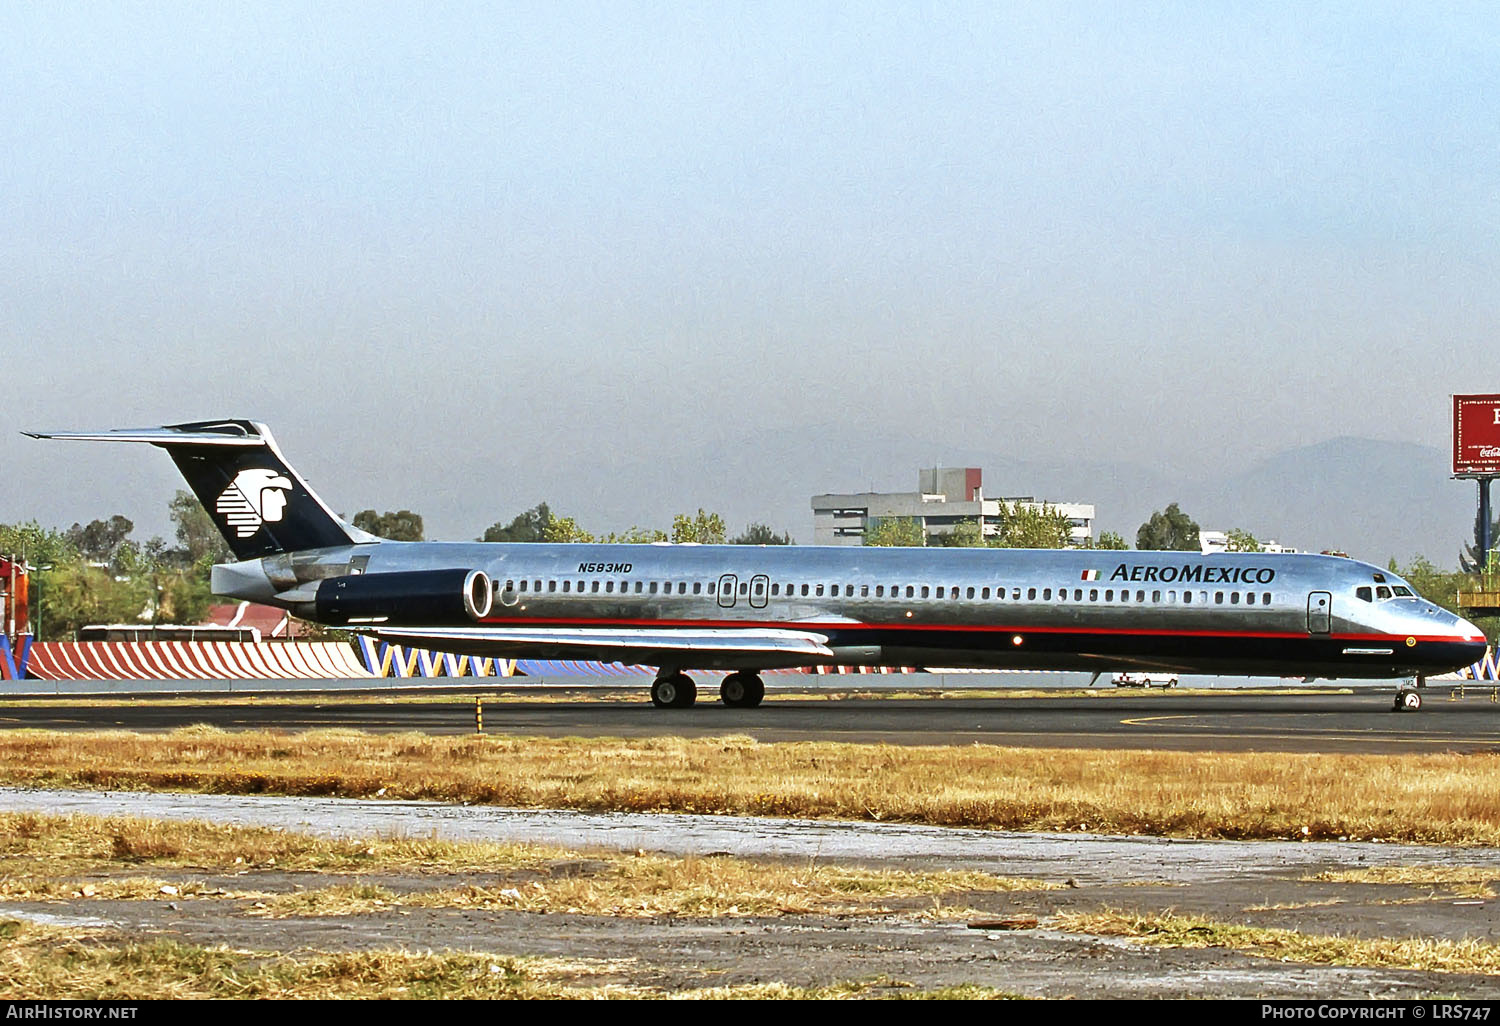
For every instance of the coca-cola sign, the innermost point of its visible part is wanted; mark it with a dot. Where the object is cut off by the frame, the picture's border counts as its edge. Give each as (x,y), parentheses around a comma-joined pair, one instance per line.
(1476,435)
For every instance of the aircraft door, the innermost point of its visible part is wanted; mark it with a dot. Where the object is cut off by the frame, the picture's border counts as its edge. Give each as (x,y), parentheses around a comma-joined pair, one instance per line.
(726,590)
(1319,612)
(760,587)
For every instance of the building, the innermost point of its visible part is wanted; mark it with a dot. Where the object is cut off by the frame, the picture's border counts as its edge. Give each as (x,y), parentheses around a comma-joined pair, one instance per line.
(945,497)
(1218,541)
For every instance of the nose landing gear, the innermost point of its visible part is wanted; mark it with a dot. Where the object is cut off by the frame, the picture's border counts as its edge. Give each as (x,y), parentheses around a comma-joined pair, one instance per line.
(1409,699)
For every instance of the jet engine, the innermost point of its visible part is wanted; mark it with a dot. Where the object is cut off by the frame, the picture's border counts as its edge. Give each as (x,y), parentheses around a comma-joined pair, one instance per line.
(411,598)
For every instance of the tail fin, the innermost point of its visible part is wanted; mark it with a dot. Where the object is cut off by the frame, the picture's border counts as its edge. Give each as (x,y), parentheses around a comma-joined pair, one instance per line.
(260,504)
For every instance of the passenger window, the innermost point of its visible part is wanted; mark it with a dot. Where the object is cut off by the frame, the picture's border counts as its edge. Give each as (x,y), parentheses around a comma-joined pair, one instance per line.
(1156,596)
(848,591)
(609,586)
(1077,594)
(682,587)
(819,590)
(1250,598)
(1171,598)
(638,587)
(697,587)
(711,586)
(1046,594)
(880,591)
(1030,594)
(804,591)
(1265,599)
(1140,596)
(1187,598)
(1218,598)
(953,593)
(744,587)
(925,590)
(968,592)
(1015,594)
(1109,594)
(1093,594)
(566,585)
(1234,598)
(523,585)
(984,592)
(864,591)
(595,588)
(651,588)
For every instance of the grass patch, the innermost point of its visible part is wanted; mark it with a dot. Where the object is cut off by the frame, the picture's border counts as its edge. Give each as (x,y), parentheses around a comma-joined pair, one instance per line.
(41,962)
(1171,931)
(1434,798)
(46,858)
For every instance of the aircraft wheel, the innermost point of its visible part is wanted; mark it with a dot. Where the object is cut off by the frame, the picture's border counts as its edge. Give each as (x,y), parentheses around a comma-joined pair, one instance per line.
(675,692)
(1408,701)
(742,690)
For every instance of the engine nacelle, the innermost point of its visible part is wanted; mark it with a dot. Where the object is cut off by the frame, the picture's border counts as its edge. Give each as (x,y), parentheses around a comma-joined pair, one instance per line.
(410,598)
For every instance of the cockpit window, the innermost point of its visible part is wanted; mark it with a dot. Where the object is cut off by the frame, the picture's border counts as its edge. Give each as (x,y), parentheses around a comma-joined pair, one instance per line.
(1402,592)
(1380,578)
(1363,593)
(1383,592)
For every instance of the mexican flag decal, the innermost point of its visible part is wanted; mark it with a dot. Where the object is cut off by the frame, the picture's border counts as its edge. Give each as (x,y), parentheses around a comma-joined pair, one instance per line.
(1090,575)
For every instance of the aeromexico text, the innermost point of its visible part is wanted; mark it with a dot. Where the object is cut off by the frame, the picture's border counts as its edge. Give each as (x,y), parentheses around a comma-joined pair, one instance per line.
(1195,574)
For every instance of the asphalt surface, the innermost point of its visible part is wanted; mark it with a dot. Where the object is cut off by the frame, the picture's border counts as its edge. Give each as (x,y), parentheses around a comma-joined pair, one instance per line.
(1361,721)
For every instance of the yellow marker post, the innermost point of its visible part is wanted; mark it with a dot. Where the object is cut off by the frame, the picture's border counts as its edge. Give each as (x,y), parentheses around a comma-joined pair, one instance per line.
(478,715)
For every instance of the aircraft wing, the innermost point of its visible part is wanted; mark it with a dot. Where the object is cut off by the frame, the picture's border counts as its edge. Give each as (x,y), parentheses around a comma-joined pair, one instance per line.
(687,648)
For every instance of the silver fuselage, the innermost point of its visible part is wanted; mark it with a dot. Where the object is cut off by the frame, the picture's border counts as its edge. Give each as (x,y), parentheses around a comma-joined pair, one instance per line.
(1240,613)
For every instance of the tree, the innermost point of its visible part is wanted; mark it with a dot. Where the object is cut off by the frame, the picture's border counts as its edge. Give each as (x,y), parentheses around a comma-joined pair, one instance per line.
(1237,539)
(966,534)
(704,529)
(530,526)
(1171,529)
(1024,526)
(760,534)
(402,526)
(98,541)
(636,536)
(895,531)
(201,543)
(565,529)
(1110,540)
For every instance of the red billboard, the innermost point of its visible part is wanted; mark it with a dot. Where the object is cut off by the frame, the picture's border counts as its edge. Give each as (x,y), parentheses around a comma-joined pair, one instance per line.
(1476,435)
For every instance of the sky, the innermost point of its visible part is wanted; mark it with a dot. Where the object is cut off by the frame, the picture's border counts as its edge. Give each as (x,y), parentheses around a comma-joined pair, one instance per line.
(465,258)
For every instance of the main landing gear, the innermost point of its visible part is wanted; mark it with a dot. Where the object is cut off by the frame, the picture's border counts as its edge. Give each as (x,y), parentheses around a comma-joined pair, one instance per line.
(674,691)
(1409,699)
(677,691)
(742,690)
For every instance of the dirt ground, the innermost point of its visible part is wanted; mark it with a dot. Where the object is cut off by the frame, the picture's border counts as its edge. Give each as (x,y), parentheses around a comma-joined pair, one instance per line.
(904,947)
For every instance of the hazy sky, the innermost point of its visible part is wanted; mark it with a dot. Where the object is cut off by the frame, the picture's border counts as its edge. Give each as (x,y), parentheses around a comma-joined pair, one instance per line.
(460,257)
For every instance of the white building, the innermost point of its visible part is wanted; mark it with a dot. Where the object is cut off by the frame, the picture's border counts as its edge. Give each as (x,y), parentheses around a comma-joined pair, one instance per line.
(1218,541)
(945,498)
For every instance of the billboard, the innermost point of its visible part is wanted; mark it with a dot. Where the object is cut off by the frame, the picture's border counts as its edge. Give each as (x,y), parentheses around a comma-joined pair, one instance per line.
(1476,435)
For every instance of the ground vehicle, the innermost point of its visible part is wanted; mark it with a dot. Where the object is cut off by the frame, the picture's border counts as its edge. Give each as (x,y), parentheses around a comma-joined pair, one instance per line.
(1146,679)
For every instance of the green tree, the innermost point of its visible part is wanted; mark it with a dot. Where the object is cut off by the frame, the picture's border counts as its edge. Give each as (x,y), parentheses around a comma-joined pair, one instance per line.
(402,526)
(566,529)
(636,536)
(530,526)
(760,534)
(199,539)
(1109,540)
(964,535)
(1237,539)
(1024,526)
(898,531)
(704,529)
(1171,529)
(98,541)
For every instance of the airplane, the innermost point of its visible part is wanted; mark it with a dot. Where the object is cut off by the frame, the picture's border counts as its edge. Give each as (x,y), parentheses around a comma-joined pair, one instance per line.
(748,609)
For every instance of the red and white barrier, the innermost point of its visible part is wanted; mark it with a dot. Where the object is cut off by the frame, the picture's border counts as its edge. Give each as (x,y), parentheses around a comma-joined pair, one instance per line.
(193,660)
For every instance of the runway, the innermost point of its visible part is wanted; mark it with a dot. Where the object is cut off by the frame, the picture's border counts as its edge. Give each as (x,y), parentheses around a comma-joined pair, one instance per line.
(1314,722)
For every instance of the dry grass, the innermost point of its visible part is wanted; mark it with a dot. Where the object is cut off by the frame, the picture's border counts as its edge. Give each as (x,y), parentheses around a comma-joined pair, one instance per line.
(1445,956)
(1446,798)
(46,858)
(1417,876)
(650,885)
(42,962)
